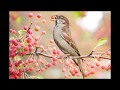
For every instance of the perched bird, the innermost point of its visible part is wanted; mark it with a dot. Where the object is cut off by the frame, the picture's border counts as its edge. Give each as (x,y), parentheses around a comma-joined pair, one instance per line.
(63,39)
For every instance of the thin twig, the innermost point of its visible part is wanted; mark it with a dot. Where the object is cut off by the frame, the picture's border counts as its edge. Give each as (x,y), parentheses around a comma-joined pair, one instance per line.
(74,57)
(28,29)
(24,76)
(49,56)
(87,56)
(104,52)
(91,53)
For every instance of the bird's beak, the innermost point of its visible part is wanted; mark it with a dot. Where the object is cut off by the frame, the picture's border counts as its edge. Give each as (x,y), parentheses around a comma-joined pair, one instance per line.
(53,17)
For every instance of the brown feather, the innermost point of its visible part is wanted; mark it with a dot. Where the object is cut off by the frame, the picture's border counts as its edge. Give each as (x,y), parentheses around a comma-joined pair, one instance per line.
(66,35)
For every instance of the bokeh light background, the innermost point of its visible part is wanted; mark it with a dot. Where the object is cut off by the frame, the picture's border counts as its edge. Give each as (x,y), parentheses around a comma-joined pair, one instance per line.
(86,28)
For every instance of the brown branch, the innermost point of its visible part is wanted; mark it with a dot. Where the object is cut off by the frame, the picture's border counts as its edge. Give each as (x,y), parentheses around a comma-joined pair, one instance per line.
(24,77)
(105,52)
(74,57)
(88,56)
(49,56)
(29,27)
(91,53)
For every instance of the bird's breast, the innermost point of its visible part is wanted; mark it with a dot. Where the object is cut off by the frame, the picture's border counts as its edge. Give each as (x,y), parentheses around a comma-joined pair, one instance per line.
(57,35)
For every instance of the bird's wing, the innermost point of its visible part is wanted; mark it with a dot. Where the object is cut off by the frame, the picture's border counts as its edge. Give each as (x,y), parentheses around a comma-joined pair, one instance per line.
(66,35)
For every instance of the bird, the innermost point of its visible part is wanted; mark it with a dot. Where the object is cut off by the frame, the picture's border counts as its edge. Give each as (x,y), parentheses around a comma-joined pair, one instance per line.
(63,39)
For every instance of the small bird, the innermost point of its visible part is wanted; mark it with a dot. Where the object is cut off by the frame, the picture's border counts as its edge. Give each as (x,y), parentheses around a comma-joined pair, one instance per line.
(63,39)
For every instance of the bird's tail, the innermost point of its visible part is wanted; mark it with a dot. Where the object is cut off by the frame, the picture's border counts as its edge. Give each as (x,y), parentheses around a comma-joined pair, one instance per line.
(79,63)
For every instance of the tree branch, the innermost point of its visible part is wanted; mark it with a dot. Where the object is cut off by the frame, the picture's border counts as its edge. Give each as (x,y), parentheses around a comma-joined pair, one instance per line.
(88,56)
(39,53)
(73,57)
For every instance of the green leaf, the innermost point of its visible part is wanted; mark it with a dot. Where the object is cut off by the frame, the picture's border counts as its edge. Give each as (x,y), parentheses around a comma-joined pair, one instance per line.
(79,13)
(25,42)
(101,41)
(21,32)
(37,77)
(17,57)
(20,66)
(21,49)
(11,37)
(18,20)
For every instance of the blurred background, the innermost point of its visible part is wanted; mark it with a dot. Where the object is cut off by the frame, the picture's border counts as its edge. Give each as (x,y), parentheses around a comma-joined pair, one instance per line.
(86,28)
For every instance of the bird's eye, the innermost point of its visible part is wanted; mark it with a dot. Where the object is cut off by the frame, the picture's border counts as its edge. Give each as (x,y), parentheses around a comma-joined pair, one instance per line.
(64,23)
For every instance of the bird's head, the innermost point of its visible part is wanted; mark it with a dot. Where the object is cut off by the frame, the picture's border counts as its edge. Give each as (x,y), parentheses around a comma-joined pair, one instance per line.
(60,19)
